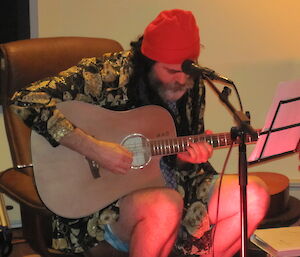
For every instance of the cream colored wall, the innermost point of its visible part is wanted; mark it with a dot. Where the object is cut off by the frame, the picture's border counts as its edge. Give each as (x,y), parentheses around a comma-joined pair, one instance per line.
(255,43)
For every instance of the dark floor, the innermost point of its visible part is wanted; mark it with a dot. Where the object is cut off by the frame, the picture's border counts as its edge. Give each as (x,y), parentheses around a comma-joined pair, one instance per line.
(253,252)
(21,249)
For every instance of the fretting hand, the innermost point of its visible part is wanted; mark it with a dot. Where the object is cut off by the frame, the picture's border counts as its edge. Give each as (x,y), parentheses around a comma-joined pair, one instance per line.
(197,152)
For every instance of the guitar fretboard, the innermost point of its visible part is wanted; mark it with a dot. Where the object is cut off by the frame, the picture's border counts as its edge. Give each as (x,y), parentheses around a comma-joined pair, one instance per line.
(169,146)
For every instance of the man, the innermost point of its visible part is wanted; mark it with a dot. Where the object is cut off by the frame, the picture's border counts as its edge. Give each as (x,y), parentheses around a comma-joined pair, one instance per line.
(186,216)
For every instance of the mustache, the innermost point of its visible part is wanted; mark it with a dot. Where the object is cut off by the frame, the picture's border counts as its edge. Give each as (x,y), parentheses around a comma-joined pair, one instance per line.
(158,85)
(179,86)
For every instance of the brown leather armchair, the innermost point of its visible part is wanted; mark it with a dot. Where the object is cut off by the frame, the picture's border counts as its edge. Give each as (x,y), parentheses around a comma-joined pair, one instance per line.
(23,62)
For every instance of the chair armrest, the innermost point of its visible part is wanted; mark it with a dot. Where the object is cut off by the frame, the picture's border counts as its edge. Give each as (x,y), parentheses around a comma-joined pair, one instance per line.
(20,187)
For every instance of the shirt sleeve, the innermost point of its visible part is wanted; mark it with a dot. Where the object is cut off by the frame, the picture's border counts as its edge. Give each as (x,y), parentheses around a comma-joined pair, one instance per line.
(36,103)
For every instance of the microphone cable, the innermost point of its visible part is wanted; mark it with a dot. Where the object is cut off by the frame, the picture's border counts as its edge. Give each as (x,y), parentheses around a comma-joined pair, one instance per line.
(218,196)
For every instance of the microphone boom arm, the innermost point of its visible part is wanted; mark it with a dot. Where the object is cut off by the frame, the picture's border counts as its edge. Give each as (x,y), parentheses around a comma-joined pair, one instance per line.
(241,118)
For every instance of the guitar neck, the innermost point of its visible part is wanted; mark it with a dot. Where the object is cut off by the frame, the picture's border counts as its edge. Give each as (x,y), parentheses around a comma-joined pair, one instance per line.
(169,146)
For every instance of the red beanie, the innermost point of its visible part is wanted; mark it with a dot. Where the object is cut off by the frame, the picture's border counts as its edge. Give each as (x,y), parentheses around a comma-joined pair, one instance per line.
(172,37)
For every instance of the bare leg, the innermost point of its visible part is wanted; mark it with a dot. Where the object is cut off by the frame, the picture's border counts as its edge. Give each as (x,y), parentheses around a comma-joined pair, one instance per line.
(149,221)
(227,237)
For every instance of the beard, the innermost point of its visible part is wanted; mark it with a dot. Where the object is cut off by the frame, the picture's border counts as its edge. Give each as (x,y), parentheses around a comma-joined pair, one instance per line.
(169,91)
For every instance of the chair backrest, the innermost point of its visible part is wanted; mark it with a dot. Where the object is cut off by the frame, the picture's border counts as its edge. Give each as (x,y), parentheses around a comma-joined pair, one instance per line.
(26,61)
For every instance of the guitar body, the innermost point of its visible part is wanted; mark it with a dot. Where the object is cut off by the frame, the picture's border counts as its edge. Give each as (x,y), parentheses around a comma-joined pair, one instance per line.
(63,177)
(72,186)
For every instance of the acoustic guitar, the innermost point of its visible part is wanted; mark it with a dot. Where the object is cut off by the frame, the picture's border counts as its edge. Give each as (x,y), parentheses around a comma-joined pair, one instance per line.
(72,186)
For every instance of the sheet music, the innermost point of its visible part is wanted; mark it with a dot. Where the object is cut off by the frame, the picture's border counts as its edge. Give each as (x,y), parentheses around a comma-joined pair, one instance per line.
(289,114)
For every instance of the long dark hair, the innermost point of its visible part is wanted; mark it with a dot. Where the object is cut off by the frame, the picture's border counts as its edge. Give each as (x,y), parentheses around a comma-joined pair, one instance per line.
(142,66)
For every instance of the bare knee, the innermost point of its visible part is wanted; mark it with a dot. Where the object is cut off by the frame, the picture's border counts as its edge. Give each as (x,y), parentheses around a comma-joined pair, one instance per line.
(159,206)
(157,202)
(258,197)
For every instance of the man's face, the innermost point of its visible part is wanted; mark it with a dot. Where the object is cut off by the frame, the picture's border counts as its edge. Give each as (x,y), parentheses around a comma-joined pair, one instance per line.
(169,81)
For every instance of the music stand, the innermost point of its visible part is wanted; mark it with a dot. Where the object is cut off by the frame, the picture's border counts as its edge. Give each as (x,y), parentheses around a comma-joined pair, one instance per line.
(281,133)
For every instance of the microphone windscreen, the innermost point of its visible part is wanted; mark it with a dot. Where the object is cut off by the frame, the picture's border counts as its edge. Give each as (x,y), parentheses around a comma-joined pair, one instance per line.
(187,66)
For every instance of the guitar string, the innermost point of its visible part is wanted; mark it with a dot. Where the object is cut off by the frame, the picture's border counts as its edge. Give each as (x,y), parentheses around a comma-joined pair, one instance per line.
(169,145)
(163,144)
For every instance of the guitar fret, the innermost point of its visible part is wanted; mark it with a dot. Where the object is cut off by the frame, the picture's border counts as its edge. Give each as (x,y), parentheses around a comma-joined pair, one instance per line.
(158,147)
(167,147)
(209,140)
(189,140)
(172,145)
(222,140)
(162,147)
(177,145)
(152,148)
(228,140)
(171,142)
(165,142)
(194,139)
(217,141)
(155,148)
(182,145)
(213,141)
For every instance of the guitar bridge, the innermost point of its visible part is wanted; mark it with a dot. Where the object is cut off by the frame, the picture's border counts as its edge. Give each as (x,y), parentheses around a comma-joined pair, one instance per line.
(94,168)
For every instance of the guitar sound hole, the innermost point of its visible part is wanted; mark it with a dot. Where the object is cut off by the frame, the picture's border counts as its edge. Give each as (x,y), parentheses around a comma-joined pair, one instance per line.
(139,146)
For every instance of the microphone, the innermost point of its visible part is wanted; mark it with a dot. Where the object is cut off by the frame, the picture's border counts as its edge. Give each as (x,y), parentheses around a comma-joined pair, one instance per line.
(195,70)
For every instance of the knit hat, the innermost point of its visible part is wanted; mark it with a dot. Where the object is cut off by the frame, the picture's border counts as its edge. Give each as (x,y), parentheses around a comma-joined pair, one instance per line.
(172,37)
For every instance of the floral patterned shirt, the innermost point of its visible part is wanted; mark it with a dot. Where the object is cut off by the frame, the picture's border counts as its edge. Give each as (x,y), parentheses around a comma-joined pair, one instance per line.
(105,81)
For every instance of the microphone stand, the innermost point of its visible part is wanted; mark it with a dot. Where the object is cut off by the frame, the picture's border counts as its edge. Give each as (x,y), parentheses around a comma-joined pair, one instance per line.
(241,131)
